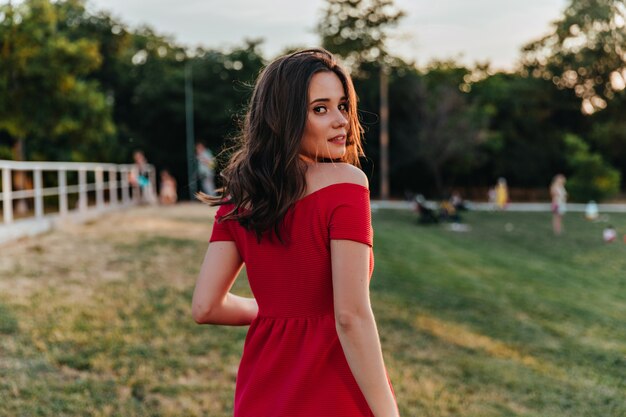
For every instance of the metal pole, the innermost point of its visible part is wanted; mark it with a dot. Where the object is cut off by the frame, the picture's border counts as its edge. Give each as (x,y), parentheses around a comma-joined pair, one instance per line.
(384,134)
(191,159)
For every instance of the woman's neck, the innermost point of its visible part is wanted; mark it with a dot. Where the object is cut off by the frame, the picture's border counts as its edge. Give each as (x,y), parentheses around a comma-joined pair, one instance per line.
(308,160)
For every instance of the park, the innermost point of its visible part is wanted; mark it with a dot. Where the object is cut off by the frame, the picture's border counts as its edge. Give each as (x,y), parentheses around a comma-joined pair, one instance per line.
(95,319)
(495,312)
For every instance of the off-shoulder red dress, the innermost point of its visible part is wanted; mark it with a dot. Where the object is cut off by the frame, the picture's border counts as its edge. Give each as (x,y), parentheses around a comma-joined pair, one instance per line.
(293,364)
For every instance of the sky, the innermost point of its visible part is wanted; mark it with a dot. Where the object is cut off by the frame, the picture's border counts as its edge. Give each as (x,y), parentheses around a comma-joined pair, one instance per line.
(469,31)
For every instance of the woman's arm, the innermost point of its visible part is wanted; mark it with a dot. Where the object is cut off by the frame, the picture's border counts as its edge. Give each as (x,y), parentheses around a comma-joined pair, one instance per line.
(356,326)
(212,303)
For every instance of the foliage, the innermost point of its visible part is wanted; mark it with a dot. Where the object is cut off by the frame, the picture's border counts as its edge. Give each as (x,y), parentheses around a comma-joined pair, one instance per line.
(585,52)
(223,84)
(156,119)
(45,93)
(451,127)
(527,120)
(78,84)
(593,178)
(357,29)
(607,134)
(106,90)
(437,129)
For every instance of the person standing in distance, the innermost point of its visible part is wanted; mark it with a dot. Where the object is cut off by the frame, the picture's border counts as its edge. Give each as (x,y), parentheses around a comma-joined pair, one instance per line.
(559,199)
(206,163)
(502,194)
(295,209)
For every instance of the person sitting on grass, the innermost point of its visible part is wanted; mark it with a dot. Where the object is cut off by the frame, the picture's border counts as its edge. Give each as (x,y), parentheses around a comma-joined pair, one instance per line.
(426,215)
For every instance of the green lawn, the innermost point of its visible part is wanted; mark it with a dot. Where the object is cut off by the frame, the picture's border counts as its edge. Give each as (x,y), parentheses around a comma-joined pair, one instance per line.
(503,320)
(502,323)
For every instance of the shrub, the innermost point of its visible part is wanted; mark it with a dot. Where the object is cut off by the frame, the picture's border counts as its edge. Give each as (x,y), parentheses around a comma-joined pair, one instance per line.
(592,177)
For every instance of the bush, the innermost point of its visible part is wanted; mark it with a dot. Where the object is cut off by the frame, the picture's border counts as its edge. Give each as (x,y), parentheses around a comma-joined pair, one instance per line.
(592,177)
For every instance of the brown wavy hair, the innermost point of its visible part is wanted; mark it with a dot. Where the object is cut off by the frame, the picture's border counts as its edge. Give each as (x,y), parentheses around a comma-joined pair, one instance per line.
(265,176)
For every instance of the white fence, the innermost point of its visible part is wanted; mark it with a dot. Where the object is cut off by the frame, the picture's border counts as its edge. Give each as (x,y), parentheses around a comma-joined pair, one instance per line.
(54,192)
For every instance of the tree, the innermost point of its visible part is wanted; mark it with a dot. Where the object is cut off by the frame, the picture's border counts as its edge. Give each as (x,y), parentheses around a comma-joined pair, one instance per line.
(114,75)
(437,129)
(451,127)
(155,115)
(585,52)
(357,29)
(45,94)
(528,118)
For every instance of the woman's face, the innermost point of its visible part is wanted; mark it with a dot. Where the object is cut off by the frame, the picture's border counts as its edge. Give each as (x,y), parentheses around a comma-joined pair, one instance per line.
(325,132)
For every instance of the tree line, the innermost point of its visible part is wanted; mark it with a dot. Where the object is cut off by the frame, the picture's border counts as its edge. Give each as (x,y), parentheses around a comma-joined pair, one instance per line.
(81,85)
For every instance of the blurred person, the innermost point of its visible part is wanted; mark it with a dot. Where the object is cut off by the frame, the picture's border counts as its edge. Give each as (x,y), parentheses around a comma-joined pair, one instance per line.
(502,194)
(139,177)
(491,198)
(447,212)
(559,199)
(168,194)
(206,163)
(591,211)
(457,201)
(295,209)
(426,215)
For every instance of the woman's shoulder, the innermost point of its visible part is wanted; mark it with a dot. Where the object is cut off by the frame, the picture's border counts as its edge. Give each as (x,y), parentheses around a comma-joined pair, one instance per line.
(324,175)
(223,209)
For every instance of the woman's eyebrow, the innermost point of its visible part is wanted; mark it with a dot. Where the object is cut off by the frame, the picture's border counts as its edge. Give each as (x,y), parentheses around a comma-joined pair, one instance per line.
(323,100)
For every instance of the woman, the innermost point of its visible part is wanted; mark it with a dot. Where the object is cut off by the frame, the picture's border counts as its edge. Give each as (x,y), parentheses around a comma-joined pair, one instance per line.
(559,197)
(502,194)
(139,178)
(295,209)
(168,194)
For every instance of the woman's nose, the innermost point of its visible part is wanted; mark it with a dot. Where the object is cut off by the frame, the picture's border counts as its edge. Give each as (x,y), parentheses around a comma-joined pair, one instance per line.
(341,120)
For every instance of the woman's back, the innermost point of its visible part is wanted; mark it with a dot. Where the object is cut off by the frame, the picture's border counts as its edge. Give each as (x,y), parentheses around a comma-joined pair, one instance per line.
(299,266)
(293,343)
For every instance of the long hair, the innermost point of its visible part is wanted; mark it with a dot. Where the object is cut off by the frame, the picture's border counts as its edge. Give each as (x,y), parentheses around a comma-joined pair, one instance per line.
(266,176)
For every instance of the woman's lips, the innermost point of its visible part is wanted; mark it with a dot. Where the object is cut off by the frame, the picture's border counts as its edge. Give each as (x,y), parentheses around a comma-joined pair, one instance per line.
(338,140)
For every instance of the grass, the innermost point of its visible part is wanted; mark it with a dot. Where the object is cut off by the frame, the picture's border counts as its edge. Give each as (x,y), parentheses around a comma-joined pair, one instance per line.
(503,320)
(513,322)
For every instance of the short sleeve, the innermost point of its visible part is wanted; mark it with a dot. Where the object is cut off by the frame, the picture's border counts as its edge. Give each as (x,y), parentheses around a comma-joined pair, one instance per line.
(221,230)
(350,215)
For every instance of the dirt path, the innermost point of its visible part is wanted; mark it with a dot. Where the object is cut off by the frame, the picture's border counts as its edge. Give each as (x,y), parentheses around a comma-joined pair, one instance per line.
(80,254)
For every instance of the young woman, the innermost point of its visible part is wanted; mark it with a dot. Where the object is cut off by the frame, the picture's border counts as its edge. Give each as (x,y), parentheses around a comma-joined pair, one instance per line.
(559,199)
(295,209)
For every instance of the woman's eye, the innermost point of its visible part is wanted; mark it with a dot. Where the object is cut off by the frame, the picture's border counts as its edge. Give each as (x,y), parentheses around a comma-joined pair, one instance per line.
(343,107)
(319,109)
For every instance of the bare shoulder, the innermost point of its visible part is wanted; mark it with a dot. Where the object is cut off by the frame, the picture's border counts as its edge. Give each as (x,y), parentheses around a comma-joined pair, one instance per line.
(323,175)
(349,173)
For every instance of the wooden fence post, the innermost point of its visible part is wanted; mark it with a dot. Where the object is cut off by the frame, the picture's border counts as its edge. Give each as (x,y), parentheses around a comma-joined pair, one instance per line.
(38,185)
(7,199)
(62,192)
(82,190)
(99,188)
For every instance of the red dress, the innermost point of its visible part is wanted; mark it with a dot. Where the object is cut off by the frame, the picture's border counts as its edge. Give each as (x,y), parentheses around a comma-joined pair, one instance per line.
(293,364)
